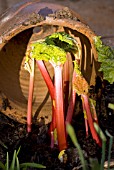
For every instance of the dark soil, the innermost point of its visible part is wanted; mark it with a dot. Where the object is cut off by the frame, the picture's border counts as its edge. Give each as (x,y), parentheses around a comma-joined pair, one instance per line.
(35,147)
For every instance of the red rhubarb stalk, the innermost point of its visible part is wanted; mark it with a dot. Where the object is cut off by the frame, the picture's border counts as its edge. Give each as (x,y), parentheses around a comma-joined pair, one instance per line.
(66,84)
(51,89)
(61,132)
(30,97)
(71,102)
(85,118)
(71,107)
(86,127)
(46,77)
(90,120)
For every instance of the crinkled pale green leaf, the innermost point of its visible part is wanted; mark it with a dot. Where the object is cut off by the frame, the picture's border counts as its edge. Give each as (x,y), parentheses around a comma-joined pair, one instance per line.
(42,51)
(53,48)
(106,57)
(62,40)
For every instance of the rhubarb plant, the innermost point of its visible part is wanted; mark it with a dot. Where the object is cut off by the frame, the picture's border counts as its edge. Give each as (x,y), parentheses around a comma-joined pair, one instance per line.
(57,57)
(54,49)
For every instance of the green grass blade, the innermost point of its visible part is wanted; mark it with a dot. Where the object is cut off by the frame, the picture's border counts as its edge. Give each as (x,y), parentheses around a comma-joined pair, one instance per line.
(103,155)
(24,168)
(100,132)
(2,166)
(94,164)
(33,165)
(72,135)
(17,163)
(2,144)
(103,138)
(110,147)
(18,151)
(7,162)
(12,167)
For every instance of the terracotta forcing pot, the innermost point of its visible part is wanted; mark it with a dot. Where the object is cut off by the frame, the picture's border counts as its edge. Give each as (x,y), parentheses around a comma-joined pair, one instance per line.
(32,20)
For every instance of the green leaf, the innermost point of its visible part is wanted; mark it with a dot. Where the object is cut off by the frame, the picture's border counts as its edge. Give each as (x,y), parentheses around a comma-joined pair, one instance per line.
(100,132)
(1,143)
(33,165)
(2,166)
(110,147)
(17,163)
(76,68)
(94,164)
(12,167)
(103,138)
(106,57)
(53,48)
(18,151)
(7,162)
(73,137)
(42,51)
(111,106)
(62,40)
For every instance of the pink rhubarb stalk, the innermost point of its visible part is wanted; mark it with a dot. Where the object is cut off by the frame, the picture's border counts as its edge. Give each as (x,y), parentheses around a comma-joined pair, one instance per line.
(71,107)
(60,123)
(51,89)
(46,77)
(30,97)
(71,102)
(86,127)
(90,120)
(66,84)
(85,118)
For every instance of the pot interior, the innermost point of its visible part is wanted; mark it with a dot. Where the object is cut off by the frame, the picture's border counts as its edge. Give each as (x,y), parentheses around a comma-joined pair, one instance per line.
(14,79)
